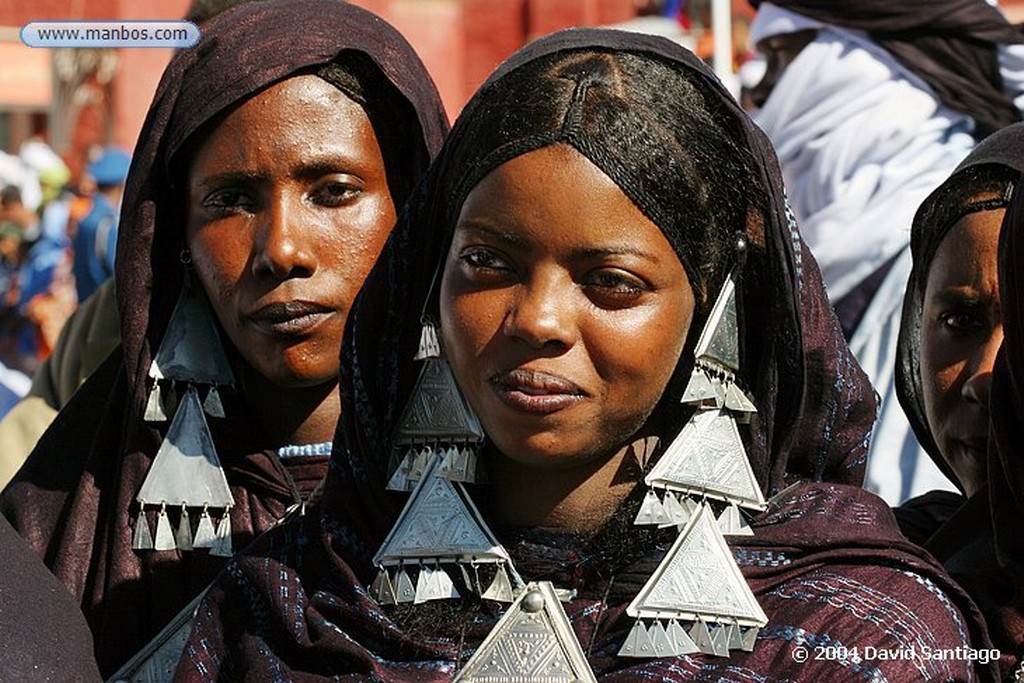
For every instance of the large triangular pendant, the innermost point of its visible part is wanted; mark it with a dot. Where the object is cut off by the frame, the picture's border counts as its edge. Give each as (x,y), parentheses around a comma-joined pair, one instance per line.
(437,412)
(534,641)
(719,340)
(698,580)
(191,350)
(439,523)
(708,459)
(186,469)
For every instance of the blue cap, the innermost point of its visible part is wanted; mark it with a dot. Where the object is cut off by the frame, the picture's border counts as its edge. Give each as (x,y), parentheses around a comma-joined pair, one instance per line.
(111,168)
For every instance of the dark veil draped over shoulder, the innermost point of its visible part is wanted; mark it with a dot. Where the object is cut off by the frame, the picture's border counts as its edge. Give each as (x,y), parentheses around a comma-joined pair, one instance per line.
(824,551)
(74,499)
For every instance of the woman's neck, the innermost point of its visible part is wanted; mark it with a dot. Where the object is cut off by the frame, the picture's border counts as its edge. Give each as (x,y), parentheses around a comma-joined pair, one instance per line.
(292,415)
(580,498)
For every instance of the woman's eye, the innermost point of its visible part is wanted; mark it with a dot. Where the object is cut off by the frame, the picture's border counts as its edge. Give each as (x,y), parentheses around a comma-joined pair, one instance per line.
(483,260)
(228,200)
(614,288)
(960,322)
(334,193)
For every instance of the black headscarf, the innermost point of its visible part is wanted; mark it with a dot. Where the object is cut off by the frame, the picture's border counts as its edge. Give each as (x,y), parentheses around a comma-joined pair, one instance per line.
(950,44)
(994,163)
(74,500)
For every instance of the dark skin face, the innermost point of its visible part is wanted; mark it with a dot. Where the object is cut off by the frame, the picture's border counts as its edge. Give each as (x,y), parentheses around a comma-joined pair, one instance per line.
(961,331)
(564,311)
(288,207)
(779,52)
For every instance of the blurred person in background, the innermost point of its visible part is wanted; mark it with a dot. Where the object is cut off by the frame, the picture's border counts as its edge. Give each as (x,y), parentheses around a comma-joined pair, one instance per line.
(94,241)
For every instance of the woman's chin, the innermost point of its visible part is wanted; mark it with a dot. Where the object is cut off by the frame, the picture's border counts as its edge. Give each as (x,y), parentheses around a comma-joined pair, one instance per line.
(290,377)
(542,451)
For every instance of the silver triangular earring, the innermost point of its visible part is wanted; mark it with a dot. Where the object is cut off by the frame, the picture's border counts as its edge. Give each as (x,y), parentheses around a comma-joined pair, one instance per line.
(697,581)
(707,458)
(186,471)
(532,641)
(190,351)
(439,525)
(436,420)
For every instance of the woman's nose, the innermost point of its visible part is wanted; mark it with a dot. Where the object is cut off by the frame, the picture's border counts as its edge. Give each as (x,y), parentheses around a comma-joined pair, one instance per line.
(977,386)
(283,246)
(542,313)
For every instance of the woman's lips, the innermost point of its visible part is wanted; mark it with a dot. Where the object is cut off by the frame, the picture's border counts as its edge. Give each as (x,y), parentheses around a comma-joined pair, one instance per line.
(533,392)
(290,318)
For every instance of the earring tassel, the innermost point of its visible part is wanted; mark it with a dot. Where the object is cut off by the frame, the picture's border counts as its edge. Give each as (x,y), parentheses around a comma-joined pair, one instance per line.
(381,589)
(142,540)
(222,543)
(183,539)
(500,589)
(429,346)
(154,406)
(404,590)
(205,535)
(212,405)
(164,537)
(638,643)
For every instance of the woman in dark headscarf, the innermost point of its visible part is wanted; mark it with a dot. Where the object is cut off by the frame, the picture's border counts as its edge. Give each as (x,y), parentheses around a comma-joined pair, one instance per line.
(268,175)
(951,327)
(600,201)
(962,305)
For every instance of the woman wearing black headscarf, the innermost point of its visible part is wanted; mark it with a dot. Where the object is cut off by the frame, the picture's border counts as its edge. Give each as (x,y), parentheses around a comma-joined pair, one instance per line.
(600,201)
(269,172)
(951,327)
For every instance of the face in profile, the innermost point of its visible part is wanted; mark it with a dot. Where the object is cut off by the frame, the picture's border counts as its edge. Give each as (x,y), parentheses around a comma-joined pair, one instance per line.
(779,52)
(564,309)
(288,207)
(961,331)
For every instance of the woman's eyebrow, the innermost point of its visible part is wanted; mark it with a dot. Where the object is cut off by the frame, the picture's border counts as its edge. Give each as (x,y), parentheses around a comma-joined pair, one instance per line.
(327,164)
(507,236)
(229,178)
(616,250)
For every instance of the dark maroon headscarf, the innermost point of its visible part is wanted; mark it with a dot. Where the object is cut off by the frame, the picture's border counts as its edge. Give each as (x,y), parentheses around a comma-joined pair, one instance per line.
(74,499)
(827,563)
(950,44)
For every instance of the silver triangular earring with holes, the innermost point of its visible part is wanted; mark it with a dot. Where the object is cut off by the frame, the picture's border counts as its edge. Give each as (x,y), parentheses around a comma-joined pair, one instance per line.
(436,420)
(190,352)
(440,527)
(698,581)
